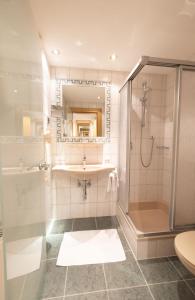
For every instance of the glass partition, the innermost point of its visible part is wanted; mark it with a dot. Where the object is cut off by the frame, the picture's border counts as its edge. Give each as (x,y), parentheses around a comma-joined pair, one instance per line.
(124,148)
(185,175)
(152,103)
(22,186)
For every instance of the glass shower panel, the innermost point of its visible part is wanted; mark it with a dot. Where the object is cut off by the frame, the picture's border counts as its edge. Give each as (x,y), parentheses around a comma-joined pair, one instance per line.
(124,148)
(22,186)
(185,178)
(151,148)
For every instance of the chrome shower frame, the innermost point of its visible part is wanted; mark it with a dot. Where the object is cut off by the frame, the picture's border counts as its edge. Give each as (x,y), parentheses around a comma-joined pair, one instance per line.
(179,65)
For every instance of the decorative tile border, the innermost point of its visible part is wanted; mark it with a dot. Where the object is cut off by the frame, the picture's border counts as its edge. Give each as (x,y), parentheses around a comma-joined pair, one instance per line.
(59,104)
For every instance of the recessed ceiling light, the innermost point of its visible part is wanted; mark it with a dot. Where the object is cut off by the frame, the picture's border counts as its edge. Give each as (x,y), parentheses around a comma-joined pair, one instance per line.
(79,43)
(98,97)
(113,57)
(15,91)
(92,59)
(55,52)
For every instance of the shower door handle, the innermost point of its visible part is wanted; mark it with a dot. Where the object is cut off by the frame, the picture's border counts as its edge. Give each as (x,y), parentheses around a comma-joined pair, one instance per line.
(162,147)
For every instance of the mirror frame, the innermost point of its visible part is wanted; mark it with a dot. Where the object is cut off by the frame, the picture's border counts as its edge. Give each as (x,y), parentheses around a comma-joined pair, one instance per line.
(59,105)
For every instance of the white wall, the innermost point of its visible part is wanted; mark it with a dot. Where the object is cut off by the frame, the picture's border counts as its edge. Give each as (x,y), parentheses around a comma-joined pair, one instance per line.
(67,196)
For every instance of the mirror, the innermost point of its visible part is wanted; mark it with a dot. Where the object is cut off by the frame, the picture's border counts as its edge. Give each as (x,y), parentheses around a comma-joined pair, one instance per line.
(82,111)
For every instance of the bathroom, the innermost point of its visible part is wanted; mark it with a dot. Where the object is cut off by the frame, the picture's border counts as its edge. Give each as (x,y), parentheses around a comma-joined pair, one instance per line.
(96,150)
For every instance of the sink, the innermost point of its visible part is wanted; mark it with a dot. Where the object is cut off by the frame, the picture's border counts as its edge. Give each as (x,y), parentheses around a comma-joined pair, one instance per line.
(80,169)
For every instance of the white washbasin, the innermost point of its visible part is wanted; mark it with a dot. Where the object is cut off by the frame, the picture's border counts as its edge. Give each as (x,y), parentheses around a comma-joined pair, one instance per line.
(80,169)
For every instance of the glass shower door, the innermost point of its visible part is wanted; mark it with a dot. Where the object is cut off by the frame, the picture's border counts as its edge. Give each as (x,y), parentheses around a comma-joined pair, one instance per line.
(22,183)
(185,173)
(124,151)
(153,93)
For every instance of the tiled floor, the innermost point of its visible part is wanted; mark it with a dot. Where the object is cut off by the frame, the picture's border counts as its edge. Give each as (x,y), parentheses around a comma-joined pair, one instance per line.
(154,279)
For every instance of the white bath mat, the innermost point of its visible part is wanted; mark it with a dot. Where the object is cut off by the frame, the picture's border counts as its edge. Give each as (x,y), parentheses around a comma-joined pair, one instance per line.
(90,247)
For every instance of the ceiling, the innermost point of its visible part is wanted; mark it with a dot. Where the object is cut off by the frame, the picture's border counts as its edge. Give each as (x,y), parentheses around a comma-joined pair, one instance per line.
(87,32)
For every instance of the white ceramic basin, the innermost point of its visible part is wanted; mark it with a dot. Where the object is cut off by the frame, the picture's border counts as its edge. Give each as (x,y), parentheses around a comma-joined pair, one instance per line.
(80,169)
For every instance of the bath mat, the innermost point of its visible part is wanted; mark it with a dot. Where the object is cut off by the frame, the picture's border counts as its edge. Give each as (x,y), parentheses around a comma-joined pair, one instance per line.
(90,247)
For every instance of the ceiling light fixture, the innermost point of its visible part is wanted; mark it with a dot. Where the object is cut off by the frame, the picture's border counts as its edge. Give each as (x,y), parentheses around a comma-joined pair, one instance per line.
(113,57)
(79,43)
(92,59)
(55,52)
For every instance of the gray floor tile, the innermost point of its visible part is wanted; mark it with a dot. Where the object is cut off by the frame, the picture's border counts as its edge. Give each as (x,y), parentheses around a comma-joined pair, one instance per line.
(53,245)
(172,291)
(123,240)
(139,293)
(191,284)
(61,226)
(54,280)
(107,222)
(180,267)
(158,270)
(90,296)
(14,287)
(84,224)
(83,279)
(33,285)
(61,298)
(123,274)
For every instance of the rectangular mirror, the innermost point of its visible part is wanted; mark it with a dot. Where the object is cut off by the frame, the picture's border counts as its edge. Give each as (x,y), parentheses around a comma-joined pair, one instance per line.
(83,111)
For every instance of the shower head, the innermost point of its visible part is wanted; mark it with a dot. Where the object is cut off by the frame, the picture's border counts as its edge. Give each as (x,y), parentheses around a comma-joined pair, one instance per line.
(145,86)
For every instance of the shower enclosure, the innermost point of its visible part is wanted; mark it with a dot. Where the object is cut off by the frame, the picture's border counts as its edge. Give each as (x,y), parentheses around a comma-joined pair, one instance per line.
(157,125)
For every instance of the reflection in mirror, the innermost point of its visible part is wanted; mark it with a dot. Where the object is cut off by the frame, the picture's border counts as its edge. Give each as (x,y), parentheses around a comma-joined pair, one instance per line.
(84,111)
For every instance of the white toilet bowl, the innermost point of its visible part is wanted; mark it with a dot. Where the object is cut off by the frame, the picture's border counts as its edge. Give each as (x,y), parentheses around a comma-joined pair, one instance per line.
(185,249)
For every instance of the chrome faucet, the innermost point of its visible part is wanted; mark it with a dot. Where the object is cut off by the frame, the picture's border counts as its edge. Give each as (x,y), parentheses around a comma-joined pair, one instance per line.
(84,161)
(41,165)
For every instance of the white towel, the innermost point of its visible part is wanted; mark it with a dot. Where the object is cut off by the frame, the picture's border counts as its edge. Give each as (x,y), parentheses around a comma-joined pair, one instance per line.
(110,179)
(113,181)
(116,178)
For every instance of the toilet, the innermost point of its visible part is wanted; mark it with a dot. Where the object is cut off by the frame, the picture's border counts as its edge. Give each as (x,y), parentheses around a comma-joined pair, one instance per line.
(185,249)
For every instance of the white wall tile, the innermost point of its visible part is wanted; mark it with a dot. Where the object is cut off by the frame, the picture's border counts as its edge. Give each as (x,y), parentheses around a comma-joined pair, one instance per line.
(73,153)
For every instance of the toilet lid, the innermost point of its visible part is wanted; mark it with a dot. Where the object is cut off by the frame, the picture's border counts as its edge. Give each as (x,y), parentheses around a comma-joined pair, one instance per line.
(185,245)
